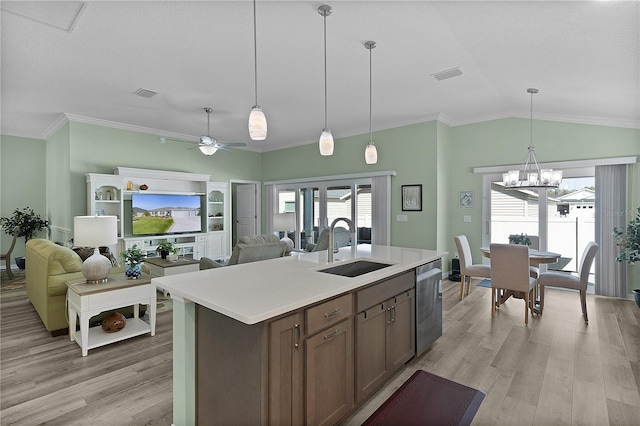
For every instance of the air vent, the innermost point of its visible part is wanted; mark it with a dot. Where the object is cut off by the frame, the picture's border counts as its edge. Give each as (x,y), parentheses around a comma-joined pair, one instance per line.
(443,75)
(145,93)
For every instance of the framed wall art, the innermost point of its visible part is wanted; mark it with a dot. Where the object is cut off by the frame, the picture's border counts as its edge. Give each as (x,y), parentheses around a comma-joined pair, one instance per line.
(412,197)
(466,199)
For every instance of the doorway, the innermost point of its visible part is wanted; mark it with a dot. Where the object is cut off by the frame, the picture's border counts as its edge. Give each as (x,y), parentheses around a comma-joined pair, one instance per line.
(245,209)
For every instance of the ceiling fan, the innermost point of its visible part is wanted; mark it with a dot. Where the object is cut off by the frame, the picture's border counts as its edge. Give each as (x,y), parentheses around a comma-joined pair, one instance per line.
(209,145)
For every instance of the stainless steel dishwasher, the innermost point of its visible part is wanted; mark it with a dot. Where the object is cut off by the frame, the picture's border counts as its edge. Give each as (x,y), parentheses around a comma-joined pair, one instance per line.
(428,305)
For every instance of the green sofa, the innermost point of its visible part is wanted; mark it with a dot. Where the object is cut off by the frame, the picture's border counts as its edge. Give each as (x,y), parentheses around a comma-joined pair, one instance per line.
(48,267)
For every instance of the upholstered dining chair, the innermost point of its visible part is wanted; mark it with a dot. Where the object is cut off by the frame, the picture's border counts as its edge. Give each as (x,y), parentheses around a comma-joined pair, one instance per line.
(467,268)
(534,271)
(510,271)
(7,256)
(564,280)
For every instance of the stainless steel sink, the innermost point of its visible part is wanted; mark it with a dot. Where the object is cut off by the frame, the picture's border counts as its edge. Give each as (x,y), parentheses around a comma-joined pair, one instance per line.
(355,269)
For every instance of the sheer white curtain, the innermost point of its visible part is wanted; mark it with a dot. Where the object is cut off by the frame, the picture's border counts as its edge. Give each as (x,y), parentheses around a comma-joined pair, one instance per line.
(611,276)
(381,210)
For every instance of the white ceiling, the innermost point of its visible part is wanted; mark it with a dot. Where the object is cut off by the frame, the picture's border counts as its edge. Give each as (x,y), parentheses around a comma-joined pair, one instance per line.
(584,56)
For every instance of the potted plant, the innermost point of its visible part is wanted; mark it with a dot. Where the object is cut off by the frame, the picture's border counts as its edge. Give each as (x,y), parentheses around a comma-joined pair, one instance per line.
(629,242)
(133,259)
(521,239)
(23,223)
(166,248)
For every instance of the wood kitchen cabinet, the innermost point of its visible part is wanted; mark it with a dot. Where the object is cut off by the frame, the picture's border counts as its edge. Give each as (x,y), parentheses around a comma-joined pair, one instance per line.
(285,371)
(329,368)
(328,365)
(385,333)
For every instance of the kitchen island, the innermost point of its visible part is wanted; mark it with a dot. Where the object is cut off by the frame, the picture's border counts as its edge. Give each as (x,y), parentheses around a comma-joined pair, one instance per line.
(232,324)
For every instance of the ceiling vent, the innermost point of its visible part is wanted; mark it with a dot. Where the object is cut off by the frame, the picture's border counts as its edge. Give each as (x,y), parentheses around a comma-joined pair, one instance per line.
(443,75)
(145,93)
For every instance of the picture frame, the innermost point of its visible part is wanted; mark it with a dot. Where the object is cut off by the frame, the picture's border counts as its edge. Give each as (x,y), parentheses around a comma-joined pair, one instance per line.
(466,199)
(412,197)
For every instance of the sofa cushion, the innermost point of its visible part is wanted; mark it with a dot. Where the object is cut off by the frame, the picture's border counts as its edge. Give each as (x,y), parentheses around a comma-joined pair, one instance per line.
(258,239)
(87,252)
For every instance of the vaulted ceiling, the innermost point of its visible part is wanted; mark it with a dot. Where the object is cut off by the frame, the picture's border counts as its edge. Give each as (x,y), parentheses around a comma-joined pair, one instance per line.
(86,59)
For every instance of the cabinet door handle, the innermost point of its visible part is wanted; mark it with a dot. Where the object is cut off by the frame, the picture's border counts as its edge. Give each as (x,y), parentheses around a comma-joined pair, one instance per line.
(333,314)
(332,335)
(393,313)
(296,329)
(389,312)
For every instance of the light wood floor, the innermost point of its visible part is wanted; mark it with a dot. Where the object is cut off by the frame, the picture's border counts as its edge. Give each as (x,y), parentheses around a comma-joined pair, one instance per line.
(557,370)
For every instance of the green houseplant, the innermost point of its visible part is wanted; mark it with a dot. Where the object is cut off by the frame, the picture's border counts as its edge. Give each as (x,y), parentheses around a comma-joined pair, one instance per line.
(521,239)
(165,248)
(629,241)
(23,223)
(133,259)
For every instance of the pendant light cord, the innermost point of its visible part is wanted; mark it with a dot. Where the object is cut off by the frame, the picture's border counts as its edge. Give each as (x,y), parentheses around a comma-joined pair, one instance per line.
(531,122)
(370,101)
(325,70)
(255,53)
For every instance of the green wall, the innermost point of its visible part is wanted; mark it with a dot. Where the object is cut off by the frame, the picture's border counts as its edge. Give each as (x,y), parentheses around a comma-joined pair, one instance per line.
(432,154)
(22,182)
(411,151)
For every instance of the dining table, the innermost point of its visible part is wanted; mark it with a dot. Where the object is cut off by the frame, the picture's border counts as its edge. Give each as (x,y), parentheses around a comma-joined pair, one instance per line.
(536,258)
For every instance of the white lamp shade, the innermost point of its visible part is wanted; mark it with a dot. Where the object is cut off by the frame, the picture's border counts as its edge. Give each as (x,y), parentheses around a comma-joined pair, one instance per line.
(284,221)
(257,124)
(94,231)
(326,142)
(208,149)
(371,154)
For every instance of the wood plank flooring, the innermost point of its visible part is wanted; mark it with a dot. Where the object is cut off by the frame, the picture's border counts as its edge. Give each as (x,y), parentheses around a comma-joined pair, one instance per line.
(556,370)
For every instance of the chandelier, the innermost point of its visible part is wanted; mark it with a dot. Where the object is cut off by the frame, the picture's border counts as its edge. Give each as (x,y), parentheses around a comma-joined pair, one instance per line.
(531,175)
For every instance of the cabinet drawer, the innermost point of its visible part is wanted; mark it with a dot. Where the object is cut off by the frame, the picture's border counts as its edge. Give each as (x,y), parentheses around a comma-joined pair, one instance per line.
(378,293)
(328,313)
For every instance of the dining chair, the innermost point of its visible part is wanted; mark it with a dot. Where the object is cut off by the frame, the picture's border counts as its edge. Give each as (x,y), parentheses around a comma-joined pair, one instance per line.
(534,271)
(565,280)
(7,256)
(510,271)
(467,268)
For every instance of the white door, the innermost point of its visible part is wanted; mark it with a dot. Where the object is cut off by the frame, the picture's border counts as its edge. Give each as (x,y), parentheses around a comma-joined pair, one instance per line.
(246,210)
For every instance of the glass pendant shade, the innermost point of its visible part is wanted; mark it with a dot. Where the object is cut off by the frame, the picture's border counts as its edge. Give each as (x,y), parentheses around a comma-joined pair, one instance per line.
(208,149)
(371,154)
(257,124)
(326,142)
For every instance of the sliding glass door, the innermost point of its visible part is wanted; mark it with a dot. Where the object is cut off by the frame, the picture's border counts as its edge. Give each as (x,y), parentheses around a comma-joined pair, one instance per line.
(316,207)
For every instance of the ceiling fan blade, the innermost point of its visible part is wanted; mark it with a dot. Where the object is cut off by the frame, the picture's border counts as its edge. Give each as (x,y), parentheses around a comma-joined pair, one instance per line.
(232,144)
(222,148)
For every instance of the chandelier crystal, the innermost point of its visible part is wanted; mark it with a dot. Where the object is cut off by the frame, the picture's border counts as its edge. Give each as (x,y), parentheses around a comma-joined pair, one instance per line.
(531,174)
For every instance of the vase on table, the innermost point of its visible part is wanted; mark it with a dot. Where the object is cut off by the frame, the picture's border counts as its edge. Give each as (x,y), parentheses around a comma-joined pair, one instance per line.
(133,270)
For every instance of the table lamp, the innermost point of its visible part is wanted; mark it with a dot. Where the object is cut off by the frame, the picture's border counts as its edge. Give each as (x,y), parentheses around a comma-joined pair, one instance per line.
(95,231)
(285,222)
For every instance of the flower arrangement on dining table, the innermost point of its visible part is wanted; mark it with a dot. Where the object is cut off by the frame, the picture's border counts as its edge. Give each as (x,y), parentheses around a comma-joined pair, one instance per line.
(133,258)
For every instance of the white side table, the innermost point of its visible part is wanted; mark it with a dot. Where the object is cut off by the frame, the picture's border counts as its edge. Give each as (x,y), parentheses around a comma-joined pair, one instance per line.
(87,300)
(162,268)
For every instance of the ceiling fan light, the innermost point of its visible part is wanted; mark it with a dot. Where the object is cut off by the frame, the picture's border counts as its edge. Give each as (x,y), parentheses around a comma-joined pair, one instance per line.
(257,124)
(208,149)
(326,142)
(371,154)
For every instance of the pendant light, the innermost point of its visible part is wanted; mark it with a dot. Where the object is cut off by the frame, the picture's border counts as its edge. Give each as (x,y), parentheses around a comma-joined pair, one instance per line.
(257,119)
(531,174)
(326,138)
(370,152)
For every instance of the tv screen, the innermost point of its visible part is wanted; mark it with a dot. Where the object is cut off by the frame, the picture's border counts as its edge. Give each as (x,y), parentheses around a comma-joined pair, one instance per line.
(155,214)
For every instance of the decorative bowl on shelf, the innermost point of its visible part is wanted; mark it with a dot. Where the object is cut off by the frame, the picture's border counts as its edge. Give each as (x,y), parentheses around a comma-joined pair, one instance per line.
(143,187)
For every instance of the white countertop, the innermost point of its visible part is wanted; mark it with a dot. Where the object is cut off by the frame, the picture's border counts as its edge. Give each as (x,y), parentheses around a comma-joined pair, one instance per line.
(257,291)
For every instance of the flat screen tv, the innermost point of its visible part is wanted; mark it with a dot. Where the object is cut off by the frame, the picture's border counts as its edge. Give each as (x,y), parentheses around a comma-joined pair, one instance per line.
(157,214)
